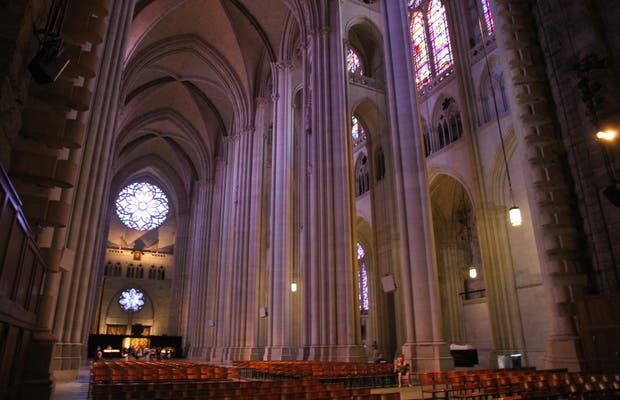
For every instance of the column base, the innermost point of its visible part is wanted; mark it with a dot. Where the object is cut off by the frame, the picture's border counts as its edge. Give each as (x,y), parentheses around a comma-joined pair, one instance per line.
(280,353)
(245,353)
(429,356)
(564,352)
(66,361)
(353,353)
(39,380)
(199,353)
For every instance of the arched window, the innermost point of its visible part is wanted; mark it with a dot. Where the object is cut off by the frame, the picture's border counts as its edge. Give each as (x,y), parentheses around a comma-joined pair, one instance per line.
(440,38)
(358,134)
(362,279)
(449,127)
(354,62)
(431,51)
(418,49)
(480,20)
(362,183)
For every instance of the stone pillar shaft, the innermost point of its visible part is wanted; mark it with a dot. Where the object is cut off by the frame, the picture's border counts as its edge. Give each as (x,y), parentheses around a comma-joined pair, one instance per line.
(417,281)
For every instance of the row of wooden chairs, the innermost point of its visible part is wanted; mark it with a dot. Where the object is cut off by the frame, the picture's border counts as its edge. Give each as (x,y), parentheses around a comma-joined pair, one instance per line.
(531,384)
(123,371)
(351,373)
(228,390)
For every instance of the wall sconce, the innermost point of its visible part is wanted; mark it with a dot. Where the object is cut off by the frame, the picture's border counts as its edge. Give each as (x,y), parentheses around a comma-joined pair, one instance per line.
(293,287)
(473,272)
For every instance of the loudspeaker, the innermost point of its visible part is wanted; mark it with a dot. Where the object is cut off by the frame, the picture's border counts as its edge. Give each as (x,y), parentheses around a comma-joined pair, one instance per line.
(47,65)
(389,285)
(613,194)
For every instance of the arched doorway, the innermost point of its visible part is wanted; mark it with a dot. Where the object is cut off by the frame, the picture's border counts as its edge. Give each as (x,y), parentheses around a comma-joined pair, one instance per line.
(466,320)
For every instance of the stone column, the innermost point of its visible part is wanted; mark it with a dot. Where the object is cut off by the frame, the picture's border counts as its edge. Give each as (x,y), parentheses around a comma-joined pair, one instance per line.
(84,236)
(200,233)
(211,309)
(222,295)
(420,315)
(244,312)
(280,260)
(328,283)
(558,238)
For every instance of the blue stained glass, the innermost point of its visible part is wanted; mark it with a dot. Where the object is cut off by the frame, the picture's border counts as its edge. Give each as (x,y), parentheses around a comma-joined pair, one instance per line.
(354,63)
(488,17)
(440,38)
(142,206)
(358,134)
(362,279)
(419,50)
(413,4)
(131,300)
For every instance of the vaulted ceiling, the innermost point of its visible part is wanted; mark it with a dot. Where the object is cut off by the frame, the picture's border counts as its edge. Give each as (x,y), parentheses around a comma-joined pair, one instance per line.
(192,70)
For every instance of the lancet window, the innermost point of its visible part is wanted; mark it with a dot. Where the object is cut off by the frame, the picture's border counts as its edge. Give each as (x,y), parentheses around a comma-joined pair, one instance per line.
(431,51)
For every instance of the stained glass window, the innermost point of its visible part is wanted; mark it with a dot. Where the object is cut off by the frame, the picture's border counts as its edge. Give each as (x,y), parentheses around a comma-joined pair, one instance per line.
(358,134)
(362,279)
(418,48)
(354,63)
(440,38)
(430,40)
(142,206)
(131,300)
(488,17)
(414,4)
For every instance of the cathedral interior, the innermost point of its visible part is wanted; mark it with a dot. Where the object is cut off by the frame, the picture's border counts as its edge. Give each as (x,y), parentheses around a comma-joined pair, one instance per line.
(309,180)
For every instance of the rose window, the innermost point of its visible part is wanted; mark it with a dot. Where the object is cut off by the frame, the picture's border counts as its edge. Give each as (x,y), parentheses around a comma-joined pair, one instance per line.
(142,206)
(131,300)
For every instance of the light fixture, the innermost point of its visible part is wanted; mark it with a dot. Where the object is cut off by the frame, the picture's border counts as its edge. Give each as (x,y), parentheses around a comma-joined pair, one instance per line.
(293,286)
(473,272)
(607,135)
(514,213)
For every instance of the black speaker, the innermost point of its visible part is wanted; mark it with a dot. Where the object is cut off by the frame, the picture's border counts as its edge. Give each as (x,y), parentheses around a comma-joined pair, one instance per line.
(612,193)
(48,64)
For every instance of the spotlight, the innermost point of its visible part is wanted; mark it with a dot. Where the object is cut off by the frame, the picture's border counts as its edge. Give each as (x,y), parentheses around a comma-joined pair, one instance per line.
(606,135)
